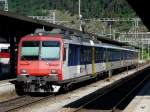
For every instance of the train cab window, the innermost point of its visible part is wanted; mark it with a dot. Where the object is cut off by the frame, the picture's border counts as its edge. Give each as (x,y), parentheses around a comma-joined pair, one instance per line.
(50,50)
(30,50)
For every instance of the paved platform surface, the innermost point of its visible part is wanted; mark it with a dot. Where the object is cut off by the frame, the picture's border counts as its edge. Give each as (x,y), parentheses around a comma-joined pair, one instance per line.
(7,90)
(141,102)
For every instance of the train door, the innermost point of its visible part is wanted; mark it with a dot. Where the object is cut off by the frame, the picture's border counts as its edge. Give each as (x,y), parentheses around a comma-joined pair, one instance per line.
(83,66)
(106,60)
(85,60)
(121,57)
(73,60)
(65,70)
(93,61)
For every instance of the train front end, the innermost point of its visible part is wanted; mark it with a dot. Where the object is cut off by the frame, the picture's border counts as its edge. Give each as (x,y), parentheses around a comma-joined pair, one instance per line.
(39,66)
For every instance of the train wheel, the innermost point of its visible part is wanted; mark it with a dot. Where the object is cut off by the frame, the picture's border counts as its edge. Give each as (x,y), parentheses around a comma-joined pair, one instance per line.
(19,90)
(67,87)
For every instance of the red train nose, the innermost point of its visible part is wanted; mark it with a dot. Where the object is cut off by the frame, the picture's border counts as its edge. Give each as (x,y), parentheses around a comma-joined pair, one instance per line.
(39,68)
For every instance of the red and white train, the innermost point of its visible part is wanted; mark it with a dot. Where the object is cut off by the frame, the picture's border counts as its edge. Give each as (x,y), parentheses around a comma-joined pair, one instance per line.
(4,59)
(47,61)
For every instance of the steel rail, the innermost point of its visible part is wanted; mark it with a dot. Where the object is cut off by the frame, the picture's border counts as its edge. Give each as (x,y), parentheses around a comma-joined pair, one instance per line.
(129,93)
(25,104)
(109,91)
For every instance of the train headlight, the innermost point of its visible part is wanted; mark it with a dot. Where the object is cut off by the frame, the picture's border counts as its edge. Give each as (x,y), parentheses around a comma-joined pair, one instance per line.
(23,71)
(54,71)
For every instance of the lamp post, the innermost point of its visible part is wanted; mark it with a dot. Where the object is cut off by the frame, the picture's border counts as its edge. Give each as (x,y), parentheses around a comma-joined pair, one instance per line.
(79,8)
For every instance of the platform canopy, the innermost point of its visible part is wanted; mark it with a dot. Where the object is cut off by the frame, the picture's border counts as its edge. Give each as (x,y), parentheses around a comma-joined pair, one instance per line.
(13,25)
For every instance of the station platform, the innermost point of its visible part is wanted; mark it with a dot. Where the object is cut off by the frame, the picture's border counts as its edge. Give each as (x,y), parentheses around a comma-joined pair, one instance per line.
(58,103)
(7,90)
(141,102)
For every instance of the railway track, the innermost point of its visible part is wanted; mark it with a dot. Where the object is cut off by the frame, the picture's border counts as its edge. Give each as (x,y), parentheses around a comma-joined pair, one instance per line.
(114,99)
(20,102)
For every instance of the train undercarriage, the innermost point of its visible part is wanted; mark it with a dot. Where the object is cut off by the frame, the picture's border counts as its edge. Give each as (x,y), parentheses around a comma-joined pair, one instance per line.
(27,84)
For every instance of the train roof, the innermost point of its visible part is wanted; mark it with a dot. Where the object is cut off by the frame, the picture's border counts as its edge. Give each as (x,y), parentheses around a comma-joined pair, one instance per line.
(84,38)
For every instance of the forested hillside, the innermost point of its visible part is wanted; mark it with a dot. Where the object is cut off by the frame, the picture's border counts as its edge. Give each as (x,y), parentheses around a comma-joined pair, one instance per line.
(89,8)
(67,10)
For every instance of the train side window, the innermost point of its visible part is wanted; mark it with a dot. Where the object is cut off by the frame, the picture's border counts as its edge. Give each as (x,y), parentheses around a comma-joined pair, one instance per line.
(72,60)
(64,57)
(105,55)
(81,55)
(84,58)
